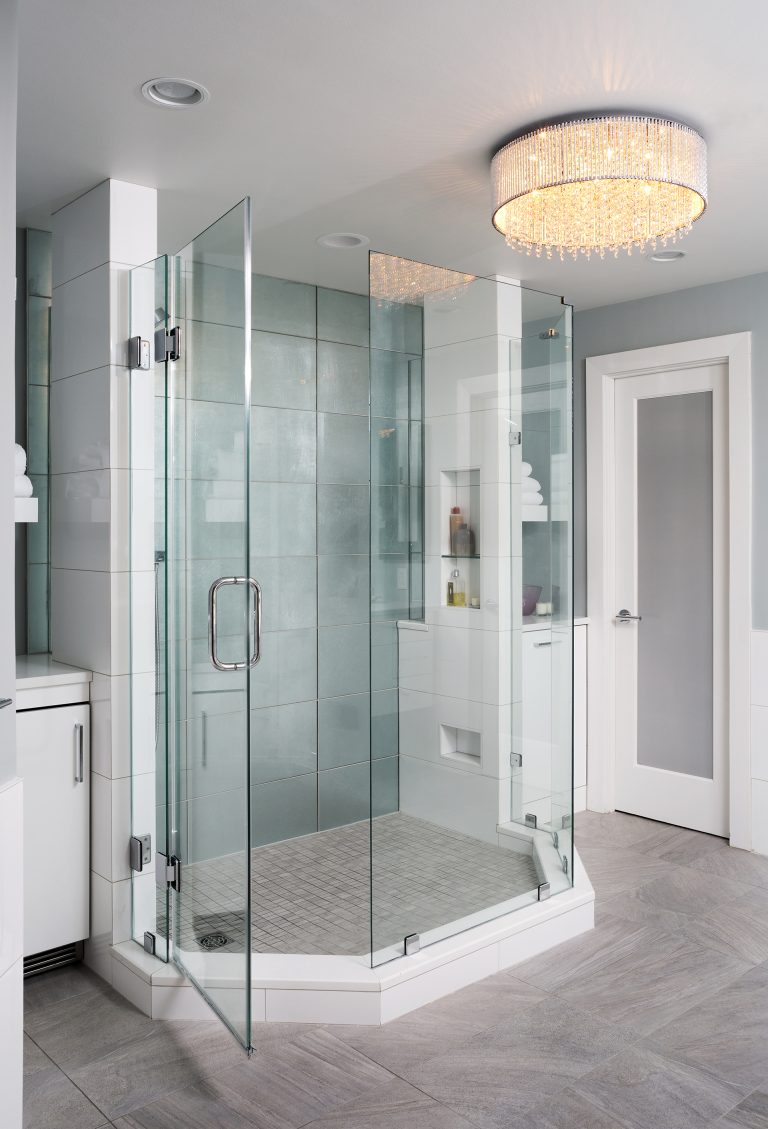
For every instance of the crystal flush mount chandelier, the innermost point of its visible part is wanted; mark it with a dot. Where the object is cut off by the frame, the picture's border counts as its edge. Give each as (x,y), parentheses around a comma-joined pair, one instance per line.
(603,183)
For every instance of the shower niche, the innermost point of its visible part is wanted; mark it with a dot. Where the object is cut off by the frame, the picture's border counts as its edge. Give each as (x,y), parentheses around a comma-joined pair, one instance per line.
(326,721)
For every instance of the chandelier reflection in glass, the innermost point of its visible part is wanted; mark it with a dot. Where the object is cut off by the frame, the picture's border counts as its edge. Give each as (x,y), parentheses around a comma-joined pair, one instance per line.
(608,183)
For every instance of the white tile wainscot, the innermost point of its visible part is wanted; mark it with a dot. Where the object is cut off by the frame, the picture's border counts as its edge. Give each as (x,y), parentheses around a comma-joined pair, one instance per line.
(327,989)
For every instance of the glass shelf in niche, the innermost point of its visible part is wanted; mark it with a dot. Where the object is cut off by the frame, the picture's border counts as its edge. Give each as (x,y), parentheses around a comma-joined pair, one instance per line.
(461,556)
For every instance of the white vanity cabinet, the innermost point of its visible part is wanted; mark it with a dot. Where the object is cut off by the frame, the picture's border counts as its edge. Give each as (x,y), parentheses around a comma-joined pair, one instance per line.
(54,763)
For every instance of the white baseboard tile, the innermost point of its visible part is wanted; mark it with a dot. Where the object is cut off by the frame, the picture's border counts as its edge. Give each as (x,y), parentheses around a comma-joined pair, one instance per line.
(438,982)
(134,988)
(180,1003)
(291,1005)
(538,939)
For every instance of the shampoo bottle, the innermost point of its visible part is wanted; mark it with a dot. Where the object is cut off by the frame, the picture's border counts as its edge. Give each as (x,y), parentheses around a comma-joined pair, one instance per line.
(459,590)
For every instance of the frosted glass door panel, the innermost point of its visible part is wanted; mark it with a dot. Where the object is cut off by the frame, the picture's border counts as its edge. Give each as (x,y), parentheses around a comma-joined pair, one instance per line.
(674,574)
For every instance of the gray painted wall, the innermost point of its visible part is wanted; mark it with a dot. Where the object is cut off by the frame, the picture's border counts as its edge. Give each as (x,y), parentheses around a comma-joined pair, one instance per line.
(704,311)
(8,69)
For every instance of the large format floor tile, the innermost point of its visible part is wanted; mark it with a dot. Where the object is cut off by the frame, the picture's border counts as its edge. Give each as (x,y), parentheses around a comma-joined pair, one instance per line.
(510,1067)
(434,1030)
(51,1100)
(726,1035)
(643,1090)
(657,1019)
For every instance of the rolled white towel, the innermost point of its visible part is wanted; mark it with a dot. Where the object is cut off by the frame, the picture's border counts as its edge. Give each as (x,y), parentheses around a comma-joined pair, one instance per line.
(22,486)
(533,499)
(19,461)
(531,485)
(526,469)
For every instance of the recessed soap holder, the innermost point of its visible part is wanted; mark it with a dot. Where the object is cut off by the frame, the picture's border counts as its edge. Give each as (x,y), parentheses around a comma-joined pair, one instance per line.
(461,745)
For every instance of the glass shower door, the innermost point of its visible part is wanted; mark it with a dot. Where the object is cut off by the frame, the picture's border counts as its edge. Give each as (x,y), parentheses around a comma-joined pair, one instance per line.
(213,615)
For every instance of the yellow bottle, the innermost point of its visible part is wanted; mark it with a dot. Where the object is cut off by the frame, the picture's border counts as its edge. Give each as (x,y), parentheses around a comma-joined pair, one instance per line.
(459,590)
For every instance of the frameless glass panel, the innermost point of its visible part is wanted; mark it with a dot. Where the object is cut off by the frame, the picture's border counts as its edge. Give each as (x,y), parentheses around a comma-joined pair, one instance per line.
(212,614)
(446,577)
(150,814)
(675,583)
(542,785)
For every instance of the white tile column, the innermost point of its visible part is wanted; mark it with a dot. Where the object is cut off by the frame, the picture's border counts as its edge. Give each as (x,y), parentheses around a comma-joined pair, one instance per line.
(462,677)
(97,239)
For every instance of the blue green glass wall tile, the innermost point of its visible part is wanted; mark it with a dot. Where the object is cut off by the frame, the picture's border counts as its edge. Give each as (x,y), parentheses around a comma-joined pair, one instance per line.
(342,316)
(342,378)
(343,730)
(281,306)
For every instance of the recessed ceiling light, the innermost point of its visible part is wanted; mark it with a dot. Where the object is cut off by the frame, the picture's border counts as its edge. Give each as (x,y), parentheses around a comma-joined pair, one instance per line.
(666,256)
(174,93)
(343,240)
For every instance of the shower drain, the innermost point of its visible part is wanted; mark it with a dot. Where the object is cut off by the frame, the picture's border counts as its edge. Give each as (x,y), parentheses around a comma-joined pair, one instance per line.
(213,941)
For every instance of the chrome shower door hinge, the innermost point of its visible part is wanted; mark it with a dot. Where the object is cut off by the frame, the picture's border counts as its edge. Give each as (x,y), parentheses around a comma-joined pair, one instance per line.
(168,872)
(140,852)
(515,438)
(168,344)
(516,760)
(138,354)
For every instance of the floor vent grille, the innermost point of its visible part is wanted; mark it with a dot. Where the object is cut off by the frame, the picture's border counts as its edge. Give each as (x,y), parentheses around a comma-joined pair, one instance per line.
(53,958)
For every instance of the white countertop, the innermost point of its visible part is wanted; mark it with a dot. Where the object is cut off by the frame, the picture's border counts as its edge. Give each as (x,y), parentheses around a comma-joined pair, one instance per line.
(36,672)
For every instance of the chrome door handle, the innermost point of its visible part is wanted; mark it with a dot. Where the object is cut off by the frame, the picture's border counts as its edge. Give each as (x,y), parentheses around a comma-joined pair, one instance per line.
(213,592)
(79,766)
(5,702)
(625,617)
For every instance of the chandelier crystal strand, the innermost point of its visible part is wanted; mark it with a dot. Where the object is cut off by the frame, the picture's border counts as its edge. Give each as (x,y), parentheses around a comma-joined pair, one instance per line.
(404,280)
(598,185)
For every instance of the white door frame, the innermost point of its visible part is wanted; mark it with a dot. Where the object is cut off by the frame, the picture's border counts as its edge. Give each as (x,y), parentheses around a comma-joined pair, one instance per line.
(733,350)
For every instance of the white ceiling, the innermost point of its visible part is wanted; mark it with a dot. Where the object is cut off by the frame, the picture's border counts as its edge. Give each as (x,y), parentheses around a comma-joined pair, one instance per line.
(380,116)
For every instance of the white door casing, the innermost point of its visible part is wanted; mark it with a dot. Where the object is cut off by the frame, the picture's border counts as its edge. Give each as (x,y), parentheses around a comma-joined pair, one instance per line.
(675,633)
(603,375)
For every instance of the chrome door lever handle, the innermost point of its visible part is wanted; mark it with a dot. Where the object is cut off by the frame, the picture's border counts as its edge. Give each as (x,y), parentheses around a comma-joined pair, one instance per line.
(625,617)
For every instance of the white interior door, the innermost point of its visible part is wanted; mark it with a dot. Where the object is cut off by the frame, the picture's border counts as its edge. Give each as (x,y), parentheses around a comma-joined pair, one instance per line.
(671,583)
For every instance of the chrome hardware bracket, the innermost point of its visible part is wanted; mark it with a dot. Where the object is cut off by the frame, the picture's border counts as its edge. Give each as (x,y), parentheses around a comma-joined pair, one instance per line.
(139,852)
(168,344)
(168,872)
(412,944)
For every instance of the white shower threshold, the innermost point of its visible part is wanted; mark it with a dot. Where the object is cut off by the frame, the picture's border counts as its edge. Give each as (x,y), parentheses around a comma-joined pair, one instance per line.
(345,989)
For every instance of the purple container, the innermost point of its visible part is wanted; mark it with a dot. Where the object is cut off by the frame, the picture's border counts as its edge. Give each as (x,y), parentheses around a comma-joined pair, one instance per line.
(531,593)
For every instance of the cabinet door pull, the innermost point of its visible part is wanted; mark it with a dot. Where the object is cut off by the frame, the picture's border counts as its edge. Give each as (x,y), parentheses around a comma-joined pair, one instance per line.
(79,766)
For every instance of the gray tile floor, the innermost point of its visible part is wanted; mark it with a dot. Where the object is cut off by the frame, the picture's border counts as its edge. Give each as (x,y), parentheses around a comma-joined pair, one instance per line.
(658,1019)
(314,894)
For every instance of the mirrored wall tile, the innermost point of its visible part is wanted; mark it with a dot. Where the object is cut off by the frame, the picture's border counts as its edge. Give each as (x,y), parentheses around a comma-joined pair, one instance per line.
(391,380)
(343,795)
(283,307)
(390,519)
(37,429)
(215,362)
(37,531)
(342,516)
(384,723)
(283,519)
(288,591)
(343,590)
(343,658)
(384,786)
(213,293)
(342,316)
(389,452)
(389,587)
(287,671)
(284,741)
(38,340)
(344,730)
(216,825)
(283,445)
(342,378)
(343,453)
(283,371)
(38,604)
(216,519)
(215,441)
(39,261)
(396,326)
(283,809)
(384,655)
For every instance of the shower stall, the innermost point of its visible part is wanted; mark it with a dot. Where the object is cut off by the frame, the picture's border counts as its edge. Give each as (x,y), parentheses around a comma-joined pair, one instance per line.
(342,506)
